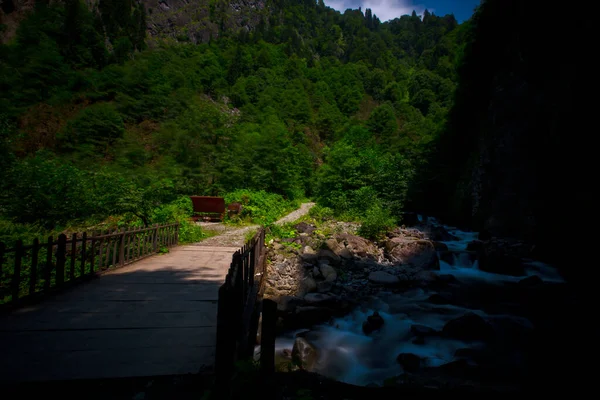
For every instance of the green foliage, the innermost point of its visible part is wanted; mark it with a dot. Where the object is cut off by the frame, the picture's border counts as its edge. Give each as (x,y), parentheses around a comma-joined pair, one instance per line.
(321,213)
(310,103)
(285,231)
(97,126)
(43,190)
(260,207)
(377,220)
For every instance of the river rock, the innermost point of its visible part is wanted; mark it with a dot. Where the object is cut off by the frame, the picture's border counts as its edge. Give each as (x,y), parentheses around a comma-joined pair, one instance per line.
(316,272)
(308,285)
(468,327)
(324,286)
(422,330)
(288,303)
(328,272)
(318,298)
(373,323)
(329,256)
(440,298)
(438,233)
(334,246)
(439,246)
(308,254)
(475,245)
(384,278)
(358,246)
(304,354)
(409,361)
(418,253)
(304,227)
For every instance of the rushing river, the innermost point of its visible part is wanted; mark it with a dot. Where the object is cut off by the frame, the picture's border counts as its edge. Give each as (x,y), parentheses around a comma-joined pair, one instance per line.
(349,355)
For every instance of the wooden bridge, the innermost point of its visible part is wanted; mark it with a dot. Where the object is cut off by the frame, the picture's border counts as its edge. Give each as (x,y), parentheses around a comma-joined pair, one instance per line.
(155,316)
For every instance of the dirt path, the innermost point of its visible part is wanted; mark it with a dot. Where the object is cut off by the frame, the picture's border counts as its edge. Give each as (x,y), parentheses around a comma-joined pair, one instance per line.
(233,236)
(294,215)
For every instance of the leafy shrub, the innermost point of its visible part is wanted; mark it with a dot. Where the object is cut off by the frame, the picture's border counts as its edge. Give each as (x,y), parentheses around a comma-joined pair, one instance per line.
(180,211)
(99,124)
(260,207)
(377,221)
(43,190)
(321,213)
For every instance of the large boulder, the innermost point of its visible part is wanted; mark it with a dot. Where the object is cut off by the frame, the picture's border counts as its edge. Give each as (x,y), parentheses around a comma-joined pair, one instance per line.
(318,298)
(307,285)
(383,278)
(409,361)
(309,255)
(358,246)
(439,246)
(422,330)
(328,272)
(373,323)
(418,253)
(329,256)
(304,227)
(304,354)
(287,304)
(475,245)
(468,327)
(437,233)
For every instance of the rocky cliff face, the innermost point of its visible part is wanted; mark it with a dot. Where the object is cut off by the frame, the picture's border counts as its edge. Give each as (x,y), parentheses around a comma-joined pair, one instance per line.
(197,21)
(11,13)
(515,157)
(193,21)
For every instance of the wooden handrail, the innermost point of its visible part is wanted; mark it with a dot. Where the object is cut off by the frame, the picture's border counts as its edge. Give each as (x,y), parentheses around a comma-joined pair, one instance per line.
(239,309)
(27,272)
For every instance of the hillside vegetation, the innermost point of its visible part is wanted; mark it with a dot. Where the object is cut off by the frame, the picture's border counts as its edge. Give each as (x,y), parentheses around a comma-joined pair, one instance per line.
(309,102)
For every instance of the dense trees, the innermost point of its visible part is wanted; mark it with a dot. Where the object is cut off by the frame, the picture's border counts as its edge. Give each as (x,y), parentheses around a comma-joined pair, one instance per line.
(311,102)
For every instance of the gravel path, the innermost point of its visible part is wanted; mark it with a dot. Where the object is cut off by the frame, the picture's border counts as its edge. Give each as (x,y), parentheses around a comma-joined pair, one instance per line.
(294,215)
(232,236)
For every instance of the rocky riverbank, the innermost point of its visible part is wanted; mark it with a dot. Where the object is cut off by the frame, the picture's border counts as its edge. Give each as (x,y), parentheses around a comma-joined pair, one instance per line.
(427,304)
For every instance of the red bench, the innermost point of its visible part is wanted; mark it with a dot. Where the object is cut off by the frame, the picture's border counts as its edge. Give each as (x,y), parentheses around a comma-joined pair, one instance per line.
(208,208)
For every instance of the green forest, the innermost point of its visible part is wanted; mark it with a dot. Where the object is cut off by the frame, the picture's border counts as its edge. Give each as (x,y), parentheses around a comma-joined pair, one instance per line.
(97,127)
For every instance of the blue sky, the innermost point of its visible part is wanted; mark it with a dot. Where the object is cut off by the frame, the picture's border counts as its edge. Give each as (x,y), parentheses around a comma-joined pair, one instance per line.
(390,9)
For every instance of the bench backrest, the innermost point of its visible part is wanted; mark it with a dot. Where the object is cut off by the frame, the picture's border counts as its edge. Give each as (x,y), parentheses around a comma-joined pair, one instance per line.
(208,204)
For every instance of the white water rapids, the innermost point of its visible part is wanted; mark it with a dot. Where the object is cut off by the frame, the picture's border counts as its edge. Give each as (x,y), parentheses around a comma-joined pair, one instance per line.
(349,355)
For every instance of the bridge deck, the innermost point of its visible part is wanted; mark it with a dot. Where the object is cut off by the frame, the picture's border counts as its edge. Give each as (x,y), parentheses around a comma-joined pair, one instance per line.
(154,317)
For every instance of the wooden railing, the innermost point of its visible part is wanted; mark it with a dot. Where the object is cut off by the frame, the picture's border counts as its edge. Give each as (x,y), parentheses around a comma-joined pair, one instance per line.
(239,309)
(30,271)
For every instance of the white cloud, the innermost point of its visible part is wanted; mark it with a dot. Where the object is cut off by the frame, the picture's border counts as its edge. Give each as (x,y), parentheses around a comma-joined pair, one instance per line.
(384,9)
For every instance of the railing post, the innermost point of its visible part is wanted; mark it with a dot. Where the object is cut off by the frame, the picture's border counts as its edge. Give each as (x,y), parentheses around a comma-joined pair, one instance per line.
(73,257)
(34,266)
(93,252)
(155,239)
(252,266)
(16,281)
(61,258)
(83,254)
(2,250)
(226,338)
(48,269)
(122,248)
(267,337)
(177,234)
